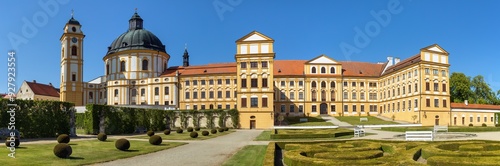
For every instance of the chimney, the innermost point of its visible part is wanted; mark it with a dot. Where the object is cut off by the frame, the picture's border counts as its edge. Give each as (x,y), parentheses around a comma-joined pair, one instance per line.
(34,81)
(396,60)
(389,59)
(466,102)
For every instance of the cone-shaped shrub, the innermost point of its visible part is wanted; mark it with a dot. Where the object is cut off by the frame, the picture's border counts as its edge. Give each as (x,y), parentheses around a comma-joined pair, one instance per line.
(102,136)
(122,144)
(150,133)
(204,133)
(155,140)
(194,134)
(166,132)
(63,138)
(62,150)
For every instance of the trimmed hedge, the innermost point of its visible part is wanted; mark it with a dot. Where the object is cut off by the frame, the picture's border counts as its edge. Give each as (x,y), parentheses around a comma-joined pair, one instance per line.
(190,129)
(102,136)
(63,138)
(269,156)
(220,130)
(213,131)
(193,134)
(205,133)
(62,150)
(155,140)
(463,161)
(295,136)
(197,129)
(150,133)
(122,144)
(179,130)
(16,142)
(166,132)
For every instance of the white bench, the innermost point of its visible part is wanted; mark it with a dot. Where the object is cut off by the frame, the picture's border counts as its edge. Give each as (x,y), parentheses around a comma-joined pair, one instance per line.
(303,119)
(440,128)
(363,119)
(419,135)
(359,132)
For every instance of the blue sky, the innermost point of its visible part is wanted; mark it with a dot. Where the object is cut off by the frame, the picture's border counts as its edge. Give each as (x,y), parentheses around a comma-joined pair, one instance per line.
(468,30)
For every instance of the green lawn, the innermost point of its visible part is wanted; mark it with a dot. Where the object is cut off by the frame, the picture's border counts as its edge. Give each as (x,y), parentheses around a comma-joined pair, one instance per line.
(264,136)
(354,120)
(251,155)
(450,129)
(84,152)
(185,135)
(311,121)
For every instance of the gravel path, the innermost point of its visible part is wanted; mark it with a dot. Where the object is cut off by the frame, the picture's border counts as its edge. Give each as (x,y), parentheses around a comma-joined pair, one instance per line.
(207,152)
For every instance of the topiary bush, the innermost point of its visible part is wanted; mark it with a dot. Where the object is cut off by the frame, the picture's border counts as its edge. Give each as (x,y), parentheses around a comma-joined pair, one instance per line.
(166,132)
(497,125)
(102,136)
(15,142)
(155,140)
(204,133)
(63,150)
(194,134)
(197,129)
(179,130)
(484,125)
(220,130)
(213,131)
(122,144)
(470,125)
(63,138)
(150,133)
(226,128)
(190,129)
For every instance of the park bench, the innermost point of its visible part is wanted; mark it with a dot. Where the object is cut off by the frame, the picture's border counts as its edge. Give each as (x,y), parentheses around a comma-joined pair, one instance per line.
(359,132)
(419,135)
(440,128)
(303,119)
(363,119)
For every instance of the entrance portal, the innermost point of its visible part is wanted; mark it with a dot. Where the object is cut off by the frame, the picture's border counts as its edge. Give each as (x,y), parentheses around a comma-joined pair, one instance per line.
(323,108)
(252,124)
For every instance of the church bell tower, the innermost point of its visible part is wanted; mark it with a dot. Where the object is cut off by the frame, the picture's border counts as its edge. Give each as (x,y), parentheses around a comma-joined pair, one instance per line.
(71,85)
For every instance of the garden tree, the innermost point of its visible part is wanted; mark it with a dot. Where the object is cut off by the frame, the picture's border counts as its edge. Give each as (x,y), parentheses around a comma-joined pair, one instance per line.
(482,93)
(460,87)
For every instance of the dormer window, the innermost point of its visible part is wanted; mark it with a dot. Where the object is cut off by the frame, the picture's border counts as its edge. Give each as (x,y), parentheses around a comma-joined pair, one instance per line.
(124,44)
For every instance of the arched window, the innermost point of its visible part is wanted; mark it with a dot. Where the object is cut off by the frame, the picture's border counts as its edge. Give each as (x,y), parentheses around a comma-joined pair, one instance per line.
(313,84)
(122,66)
(107,69)
(313,70)
(73,50)
(91,95)
(332,70)
(323,70)
(145,64)
(323,84)
(134,92)
(332,84)
(116,92)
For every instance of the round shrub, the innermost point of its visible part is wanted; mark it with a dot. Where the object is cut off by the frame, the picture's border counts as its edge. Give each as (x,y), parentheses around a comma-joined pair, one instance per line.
(470,125)
(122,144)
(150,133)
(166,132)
(497,125)
(194,134)
(8,142)
(102,137)
(221,130)
(190,129)
(62,150)
(204,133)
(197,129)
(155,140)
(63,138)
(226,128)
(213,131)
(179,130)
(484,125)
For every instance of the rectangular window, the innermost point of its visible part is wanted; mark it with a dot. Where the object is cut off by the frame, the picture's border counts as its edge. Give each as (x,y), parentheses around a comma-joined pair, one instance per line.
(228,106)
(282,108)
(219,81)
(228,94)
(73,77)
(187,95)
(264,64)
(427,71)
(282,96)
(416,103)
(195,95)
(210,82)
(243,65)
(291,83)
(436,87)
(228,81)
(202,82)
(427,102)
(427,86)
(282,83)
(362,95)
(157,91)
(292,108)
(353,84)
(478,119)
(187,83)
(436,102)
(253,65)
(143,92)
(345,83)
(264,82)
(346,96)
(362,108)
(445,104)
(254,102)
(409,104)
(264,102)
(354,96)
(219,106)
(292,96)
(443,73)
(167,90)
(471,119)
(195,82)
(435,72)
(253,82)
(219,94)
(332,108)
(203,95)
(346,108)
(301,108)
(243,82)
(211,94)
(301,83)
(243,102)
(313,109)
(444,87)
(301,95)
(195,107)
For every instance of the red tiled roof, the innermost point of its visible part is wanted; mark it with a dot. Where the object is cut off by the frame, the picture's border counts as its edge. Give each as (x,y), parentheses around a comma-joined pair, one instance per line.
(218,68)
(362,69)
(43,89)
(402,64)
(475,106)
(288,67)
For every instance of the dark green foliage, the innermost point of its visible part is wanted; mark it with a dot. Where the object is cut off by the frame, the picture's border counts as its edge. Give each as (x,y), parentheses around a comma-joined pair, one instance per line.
(63,138)
(213,131)
(197,129)
(122,144)
(179,130)
(235,118)
(79,120)
(38,118)
(166,132)
(226,128)
(155,140)
(470,125)
(8,141)
(484,125)
(193,134)
(102,136)
(220,130)
(190,129)
(204,133)
(62,150)
(150,133)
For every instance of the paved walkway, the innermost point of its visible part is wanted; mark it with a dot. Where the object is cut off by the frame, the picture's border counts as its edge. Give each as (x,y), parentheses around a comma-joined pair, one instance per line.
(207,152)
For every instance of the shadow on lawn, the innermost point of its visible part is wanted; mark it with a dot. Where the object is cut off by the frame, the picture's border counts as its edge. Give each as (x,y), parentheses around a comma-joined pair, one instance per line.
(75,158)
